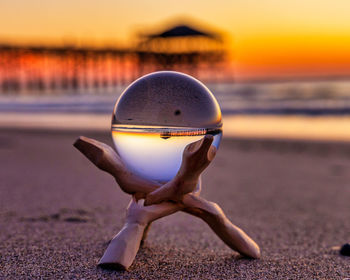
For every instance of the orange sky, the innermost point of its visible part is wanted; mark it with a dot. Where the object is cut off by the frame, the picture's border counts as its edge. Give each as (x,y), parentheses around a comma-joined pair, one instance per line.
(271,38)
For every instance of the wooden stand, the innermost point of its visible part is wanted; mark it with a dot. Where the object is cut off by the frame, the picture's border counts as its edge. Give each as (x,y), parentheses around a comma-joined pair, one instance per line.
(151,201)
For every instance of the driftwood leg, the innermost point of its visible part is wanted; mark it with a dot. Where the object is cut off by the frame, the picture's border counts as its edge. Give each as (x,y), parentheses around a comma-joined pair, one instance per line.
(231,235)
(105,158)
(123,248)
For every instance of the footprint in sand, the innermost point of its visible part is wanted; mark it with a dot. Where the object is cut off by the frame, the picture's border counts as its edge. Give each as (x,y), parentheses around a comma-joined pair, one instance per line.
(64,215)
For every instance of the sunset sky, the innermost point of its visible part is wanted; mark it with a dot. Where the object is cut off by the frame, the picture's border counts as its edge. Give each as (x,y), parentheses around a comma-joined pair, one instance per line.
(269,38)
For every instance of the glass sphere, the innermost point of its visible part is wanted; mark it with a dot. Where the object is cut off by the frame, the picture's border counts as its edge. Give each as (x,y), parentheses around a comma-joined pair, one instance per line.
(157,116)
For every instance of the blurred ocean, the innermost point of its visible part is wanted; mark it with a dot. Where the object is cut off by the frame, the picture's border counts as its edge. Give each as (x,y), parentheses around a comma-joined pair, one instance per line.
(291,110)
(315,98)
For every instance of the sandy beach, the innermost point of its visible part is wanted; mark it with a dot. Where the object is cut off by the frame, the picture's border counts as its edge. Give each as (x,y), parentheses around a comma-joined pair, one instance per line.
(57,212)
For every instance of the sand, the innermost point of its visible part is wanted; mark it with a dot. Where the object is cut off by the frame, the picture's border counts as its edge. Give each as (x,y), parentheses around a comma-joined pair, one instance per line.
(57,212)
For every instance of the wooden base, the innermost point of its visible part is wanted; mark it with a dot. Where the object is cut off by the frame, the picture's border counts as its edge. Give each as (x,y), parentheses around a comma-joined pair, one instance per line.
(179,194)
